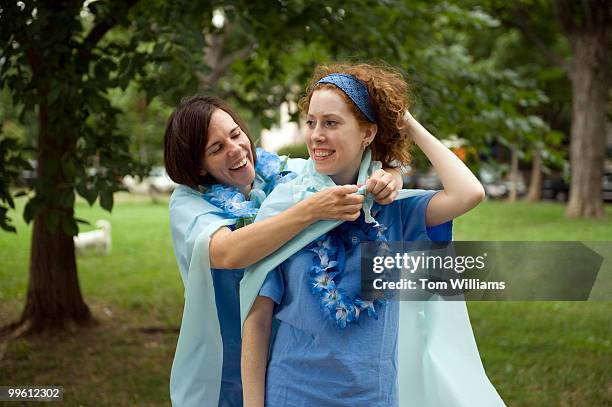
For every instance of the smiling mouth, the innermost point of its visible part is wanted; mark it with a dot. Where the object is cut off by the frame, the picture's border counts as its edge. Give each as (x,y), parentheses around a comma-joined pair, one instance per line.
(322,154)
(240,165)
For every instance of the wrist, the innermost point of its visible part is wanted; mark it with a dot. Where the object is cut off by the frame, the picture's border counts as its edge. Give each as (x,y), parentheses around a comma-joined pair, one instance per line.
(306,212)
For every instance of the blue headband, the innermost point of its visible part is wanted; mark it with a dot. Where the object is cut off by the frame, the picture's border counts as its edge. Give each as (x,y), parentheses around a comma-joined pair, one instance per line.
(355,90)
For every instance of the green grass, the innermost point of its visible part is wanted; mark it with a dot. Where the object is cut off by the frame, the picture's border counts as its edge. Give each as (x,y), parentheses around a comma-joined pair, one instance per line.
(536,354)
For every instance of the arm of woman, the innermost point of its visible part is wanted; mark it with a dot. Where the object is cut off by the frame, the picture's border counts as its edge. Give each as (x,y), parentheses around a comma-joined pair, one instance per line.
(245,246)
(254,357)
(462,190)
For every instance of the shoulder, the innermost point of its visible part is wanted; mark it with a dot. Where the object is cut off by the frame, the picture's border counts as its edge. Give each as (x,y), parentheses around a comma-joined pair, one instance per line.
(408,202)
(187,203)
(414,214)
(414,197)
(182,193)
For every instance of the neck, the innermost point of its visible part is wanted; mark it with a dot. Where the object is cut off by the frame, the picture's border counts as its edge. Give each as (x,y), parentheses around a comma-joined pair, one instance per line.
(245,190)
(345,178)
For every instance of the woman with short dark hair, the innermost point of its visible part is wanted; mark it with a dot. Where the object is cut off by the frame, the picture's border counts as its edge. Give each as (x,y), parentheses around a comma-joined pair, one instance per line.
(223,180)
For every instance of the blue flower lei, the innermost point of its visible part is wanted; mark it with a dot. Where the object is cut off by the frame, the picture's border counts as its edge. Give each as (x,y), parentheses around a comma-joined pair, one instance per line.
(269,172)
(331,250)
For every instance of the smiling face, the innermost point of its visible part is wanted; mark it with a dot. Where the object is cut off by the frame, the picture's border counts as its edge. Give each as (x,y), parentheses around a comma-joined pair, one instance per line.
(334,137)
(227,155)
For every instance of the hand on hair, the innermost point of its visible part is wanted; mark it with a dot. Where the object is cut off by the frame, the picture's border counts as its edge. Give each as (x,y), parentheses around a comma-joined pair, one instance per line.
(384,185)
(407,116)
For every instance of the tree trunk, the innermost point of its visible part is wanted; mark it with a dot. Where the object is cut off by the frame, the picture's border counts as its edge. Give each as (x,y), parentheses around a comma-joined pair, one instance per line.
(590,84)
(535,184)
(513,175)
(54,299)
(141,108)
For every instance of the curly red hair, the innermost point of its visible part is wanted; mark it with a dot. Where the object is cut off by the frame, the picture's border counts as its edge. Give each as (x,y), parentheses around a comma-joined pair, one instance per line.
(389,95)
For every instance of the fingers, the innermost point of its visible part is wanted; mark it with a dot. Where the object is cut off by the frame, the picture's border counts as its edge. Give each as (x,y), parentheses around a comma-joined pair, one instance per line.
(389,198)
(348,203)
(354,199)
(385,193)
(382,186)
(346,195)
(353,216)
(378,182)
(346,189)
(347,209)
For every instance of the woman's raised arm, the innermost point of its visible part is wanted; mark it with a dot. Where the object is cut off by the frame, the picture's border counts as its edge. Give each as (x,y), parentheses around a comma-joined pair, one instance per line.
(462,190)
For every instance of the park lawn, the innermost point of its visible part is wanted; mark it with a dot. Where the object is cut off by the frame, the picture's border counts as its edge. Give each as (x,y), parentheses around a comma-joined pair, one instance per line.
(536,354)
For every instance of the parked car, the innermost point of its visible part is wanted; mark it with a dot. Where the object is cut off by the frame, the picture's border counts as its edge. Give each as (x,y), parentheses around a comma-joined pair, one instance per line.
(497,187)
(427,180)
(607,185)
(557,189)
(491,183)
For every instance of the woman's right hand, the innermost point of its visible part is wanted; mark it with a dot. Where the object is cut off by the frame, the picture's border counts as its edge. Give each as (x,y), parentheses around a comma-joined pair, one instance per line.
(336,203)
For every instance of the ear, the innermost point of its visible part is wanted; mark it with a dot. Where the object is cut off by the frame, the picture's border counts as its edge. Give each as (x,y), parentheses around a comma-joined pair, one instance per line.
(370,133)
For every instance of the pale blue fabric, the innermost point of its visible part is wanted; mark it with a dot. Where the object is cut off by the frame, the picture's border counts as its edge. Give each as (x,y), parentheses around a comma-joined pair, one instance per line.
(202,366)
(312,360)
(438,362)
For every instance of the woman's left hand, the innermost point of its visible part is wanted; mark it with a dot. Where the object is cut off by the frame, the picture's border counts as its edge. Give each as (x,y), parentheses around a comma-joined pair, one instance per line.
(384,185)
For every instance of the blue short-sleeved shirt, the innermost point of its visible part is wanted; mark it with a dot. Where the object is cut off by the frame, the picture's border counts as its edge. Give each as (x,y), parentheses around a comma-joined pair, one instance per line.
(315,363)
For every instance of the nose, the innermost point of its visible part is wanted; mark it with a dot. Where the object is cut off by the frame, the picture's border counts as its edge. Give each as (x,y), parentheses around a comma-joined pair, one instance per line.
(233,148)
(318,134)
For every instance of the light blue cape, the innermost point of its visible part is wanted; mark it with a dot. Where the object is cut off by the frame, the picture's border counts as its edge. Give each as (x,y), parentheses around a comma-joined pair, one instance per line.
(195,379)
(438,360)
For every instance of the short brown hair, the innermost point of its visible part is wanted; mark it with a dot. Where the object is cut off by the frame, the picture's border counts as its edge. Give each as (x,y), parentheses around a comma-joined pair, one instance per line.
(388,93)
(186,137)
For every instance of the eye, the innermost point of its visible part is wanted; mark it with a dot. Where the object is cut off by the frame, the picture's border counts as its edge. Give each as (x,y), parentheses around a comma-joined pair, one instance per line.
(235,135)
(215,149)
(310,123)
(330,123)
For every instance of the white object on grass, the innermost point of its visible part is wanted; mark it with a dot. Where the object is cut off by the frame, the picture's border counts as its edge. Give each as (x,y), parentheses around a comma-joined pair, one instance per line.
(99,239)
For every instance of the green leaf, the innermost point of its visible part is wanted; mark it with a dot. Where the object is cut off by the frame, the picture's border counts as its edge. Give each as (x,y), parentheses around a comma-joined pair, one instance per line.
(31,210)
(70,226)
(106,200)
(83,221)
(5,221)
(89,194)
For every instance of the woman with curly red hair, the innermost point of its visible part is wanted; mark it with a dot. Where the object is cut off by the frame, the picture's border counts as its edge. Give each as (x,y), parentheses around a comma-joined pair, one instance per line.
(332,347)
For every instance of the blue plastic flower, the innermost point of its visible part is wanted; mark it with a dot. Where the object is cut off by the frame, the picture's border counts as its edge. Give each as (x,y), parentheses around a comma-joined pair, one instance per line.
(218,194)
(345,312)
(323,281)
(241,208)
(330,298)
(325,250)
(231,201)
(268,164)
(368,306)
